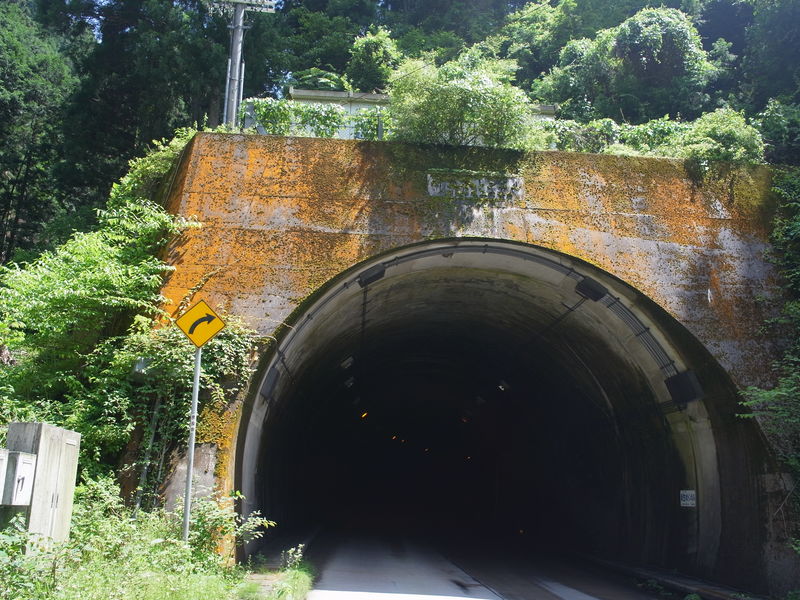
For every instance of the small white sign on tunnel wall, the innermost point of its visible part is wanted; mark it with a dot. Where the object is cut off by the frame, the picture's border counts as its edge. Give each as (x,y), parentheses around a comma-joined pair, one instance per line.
(689,498)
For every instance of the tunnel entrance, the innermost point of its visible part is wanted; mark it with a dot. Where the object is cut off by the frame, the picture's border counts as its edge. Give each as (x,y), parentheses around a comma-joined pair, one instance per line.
(492,386)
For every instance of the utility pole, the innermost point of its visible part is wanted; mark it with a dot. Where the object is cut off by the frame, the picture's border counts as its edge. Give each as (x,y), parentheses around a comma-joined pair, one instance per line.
(234,86)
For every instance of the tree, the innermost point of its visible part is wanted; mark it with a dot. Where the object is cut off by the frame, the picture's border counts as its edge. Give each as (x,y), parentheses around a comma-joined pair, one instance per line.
(779,123)
(35,81)
(320,39)
(467,101)
(470,20)
(373,57)
(157,66)
(722,135)
(533,36)
(650,65)
(772,57)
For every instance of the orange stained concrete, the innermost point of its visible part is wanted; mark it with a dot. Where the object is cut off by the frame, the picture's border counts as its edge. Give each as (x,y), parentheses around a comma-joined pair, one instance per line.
(282,216)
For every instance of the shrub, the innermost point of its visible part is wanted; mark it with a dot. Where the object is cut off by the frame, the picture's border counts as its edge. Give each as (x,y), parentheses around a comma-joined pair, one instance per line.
(779,124)
(594,136)
(372,124)
(286,117)
(275,116)
(111,555)
(467,101)
(659,136)
(722,135)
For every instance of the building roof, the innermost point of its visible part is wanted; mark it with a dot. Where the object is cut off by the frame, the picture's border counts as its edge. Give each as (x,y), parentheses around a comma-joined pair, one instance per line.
(332,96)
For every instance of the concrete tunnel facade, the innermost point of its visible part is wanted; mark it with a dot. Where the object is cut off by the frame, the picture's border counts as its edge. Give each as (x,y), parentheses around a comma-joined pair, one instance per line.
(547,344)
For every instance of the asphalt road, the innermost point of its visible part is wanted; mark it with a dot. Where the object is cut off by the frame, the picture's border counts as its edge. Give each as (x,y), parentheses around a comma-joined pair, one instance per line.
(362,566)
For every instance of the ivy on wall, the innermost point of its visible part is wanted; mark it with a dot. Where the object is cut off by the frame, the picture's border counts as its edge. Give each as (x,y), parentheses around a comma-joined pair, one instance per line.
(75,322)
(287,117)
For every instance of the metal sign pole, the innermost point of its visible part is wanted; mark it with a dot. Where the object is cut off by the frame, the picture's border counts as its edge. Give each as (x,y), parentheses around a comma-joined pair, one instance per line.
(234,80)
(187,499)
(234,83)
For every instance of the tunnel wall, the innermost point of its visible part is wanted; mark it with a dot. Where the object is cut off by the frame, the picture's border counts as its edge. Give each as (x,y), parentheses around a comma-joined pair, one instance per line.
(284,216)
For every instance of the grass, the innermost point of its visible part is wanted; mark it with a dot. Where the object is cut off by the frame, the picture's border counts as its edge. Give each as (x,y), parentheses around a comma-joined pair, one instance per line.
(295,583)
(290,583)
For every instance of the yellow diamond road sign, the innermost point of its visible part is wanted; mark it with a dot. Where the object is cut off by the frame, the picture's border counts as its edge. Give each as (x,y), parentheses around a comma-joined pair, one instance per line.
(200,323)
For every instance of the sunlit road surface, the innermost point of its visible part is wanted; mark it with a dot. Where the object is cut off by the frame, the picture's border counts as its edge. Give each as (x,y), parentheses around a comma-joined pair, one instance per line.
(374,568)
(361,567)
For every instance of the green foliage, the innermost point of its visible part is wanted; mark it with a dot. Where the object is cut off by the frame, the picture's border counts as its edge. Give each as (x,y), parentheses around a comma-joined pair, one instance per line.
(159,66)
(772,57)
(315,78)
(294,583)
(323,38)
(778,408)
(296,576)
(723,135)
(320,120)
(533,36)
(35,83)
(214,520)
(650,65)
(112,555)
(660,137)
(275,116)
(467,21)
(286,117)
(779,124)
(26,566)
(65,324)
(104,77)
(372,59)
(109,398)
(467,101)
(56,309)
(595,136)
(372,124)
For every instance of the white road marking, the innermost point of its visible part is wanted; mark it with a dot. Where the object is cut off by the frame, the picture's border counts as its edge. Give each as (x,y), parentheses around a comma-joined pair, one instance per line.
(562,591)
(336,595)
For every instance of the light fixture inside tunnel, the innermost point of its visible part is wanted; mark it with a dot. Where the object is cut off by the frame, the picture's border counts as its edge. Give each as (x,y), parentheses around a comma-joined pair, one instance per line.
(372,275)
(591,289)
(684,388)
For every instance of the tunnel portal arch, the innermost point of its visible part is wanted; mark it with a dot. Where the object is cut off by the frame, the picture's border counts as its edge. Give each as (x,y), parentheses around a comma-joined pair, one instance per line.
(567,403)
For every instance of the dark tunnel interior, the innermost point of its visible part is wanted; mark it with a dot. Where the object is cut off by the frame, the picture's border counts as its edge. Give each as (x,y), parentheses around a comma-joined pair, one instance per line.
(453,400)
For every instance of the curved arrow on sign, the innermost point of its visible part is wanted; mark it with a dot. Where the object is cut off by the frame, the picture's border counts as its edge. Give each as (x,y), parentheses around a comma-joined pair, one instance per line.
(207,319)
